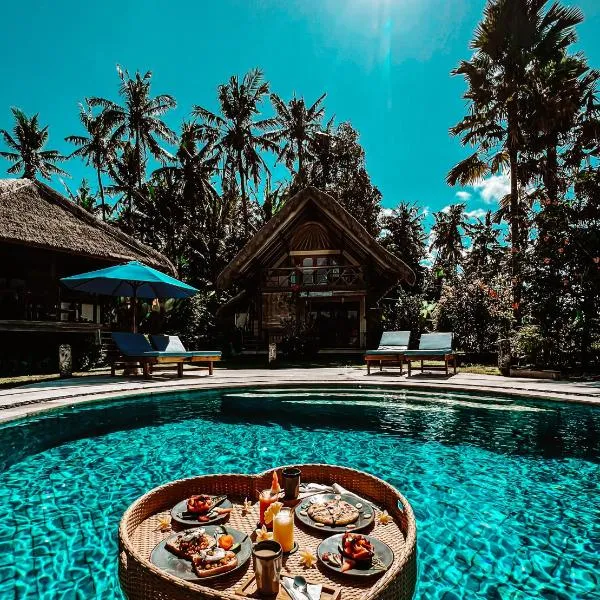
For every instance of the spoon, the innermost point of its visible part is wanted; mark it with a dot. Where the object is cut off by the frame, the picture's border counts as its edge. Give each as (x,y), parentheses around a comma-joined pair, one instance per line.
(301,585)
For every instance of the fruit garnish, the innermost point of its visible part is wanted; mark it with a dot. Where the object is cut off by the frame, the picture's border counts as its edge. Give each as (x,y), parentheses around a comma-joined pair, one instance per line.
(384,518)
(262,534)
(272,511)
(275,488)
(226,542)
(307,558)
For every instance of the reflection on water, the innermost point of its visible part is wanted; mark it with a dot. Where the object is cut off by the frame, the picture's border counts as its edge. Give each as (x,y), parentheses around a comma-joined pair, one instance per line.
(500,424)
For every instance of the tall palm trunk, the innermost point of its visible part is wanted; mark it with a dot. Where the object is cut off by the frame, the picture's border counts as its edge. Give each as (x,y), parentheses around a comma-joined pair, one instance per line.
(301,161)
(101,189)
(243,190)
(551,171)
(514,213)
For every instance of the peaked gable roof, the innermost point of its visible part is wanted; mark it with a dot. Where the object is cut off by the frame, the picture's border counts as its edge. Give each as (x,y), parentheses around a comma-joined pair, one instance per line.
(269,232)
(33,214)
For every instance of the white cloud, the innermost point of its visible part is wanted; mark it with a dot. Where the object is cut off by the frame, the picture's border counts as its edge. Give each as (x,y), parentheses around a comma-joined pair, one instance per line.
(462,195)
(446,209)
(493,188)
(477,213)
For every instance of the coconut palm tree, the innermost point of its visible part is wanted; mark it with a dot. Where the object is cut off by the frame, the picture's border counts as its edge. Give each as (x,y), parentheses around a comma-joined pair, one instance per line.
(139,120)
(297,127)
(238,133)
(27,142)
(196,164)
(513,36)
(86,198)
(98,149)
(447,237)
(124,172)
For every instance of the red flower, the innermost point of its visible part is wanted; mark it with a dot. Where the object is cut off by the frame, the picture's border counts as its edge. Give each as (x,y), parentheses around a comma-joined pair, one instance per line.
(515,306)
(547,261)
(561,250)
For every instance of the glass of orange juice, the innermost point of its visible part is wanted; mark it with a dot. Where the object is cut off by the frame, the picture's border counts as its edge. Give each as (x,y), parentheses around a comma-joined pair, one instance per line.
(265,499)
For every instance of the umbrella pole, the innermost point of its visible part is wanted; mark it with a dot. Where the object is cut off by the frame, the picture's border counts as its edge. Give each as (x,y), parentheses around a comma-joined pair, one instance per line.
(134,309)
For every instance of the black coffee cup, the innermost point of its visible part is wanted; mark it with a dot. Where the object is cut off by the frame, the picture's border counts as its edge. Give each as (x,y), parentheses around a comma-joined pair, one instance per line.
(291,483)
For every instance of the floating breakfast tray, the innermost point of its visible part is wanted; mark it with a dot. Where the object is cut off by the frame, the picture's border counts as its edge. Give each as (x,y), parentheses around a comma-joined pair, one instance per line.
(140,532)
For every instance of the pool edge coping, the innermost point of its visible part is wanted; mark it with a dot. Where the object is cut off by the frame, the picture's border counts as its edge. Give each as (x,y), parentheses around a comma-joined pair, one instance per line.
(37,407)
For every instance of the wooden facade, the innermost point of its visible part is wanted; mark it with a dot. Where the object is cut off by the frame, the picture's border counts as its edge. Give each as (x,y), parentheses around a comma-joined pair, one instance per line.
(312,264)
(43,237)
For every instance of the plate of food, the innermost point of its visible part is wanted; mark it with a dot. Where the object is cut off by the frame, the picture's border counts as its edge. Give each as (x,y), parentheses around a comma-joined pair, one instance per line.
(355,554)
(201,509)
(335,513)
(203,553)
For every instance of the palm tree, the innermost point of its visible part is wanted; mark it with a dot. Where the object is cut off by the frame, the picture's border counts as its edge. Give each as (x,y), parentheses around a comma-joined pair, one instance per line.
(139,120)
(237,132)
(485,254)
(322,153)
(197,161)
(124,172)
(297,127)
(28,141)
(404,235)
(512,37)
(447,237)
(98,148)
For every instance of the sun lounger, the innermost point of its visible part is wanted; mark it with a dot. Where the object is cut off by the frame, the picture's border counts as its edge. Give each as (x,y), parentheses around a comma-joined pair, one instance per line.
(172,343)
(391,350)
(135,350)
(433,346)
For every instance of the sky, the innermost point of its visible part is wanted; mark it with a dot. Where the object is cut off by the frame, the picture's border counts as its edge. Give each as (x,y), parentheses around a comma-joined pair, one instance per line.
(384,64)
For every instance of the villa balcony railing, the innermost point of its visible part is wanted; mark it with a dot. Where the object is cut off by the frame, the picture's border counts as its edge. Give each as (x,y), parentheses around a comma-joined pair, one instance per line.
(340,277)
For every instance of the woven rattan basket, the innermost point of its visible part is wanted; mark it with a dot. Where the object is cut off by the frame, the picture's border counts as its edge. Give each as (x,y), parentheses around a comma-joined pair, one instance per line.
(139,532)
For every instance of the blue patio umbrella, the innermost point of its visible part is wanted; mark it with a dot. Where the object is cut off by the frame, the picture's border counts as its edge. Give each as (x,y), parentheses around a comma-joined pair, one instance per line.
(132,279)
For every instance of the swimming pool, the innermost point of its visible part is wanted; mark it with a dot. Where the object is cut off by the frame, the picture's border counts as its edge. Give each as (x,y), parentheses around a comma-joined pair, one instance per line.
(505,491)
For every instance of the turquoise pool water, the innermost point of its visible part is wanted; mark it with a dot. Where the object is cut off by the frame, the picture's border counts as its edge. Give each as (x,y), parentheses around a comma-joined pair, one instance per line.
(506,492)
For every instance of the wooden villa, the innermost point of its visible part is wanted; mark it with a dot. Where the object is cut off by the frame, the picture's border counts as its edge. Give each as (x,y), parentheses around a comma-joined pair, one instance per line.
(43,237)
(311,263)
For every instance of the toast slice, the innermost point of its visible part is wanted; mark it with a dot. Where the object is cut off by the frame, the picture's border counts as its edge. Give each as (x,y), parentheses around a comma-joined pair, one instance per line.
(214,562)
(190,542)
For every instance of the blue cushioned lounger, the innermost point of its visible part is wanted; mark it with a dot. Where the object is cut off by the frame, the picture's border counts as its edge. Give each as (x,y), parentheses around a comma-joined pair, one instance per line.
(391,349)
(433,346)
(135,350)
(172,343)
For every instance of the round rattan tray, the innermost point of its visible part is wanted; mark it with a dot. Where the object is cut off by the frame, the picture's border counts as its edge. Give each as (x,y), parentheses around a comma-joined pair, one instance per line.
(139,532)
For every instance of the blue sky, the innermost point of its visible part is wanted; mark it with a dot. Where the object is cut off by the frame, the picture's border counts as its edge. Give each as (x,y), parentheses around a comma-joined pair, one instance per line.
(384,64)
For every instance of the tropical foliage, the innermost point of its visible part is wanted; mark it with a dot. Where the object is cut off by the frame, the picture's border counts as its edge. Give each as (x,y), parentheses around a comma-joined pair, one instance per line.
(527,271)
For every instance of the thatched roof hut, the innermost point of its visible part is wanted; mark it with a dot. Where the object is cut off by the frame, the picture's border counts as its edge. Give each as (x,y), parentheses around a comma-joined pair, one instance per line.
(312,264)
(35,215)
(327,210)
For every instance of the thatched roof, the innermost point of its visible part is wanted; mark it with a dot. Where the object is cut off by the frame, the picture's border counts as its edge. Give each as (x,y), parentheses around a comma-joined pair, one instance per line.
(33,214)
(329,209)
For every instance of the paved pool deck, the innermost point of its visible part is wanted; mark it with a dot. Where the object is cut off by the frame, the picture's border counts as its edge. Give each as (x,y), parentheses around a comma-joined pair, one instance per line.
(25,400)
